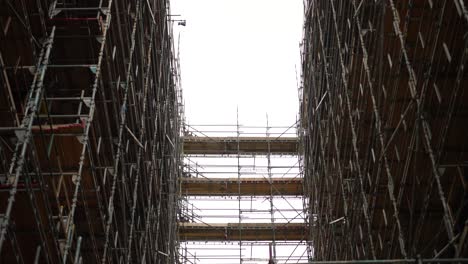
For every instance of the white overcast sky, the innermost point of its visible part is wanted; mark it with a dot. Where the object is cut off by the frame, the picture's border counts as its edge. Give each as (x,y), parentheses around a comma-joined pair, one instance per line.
(239,53)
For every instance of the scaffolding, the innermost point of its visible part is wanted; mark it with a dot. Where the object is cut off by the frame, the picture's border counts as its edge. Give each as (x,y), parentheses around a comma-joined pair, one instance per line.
(98,165)
(383,130)
(90,114)
(241,195)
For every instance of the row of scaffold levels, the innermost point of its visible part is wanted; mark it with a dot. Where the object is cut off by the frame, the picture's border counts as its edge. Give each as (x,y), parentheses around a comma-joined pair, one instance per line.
(98,164)
(241,193)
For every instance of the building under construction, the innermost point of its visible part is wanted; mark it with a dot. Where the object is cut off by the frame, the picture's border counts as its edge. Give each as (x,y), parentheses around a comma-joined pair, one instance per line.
(98,164)
(384,125)
(90,119)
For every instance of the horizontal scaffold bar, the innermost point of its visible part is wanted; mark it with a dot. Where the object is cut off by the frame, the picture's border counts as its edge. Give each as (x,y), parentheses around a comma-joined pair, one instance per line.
(242,186)
(243,145)
(243,231)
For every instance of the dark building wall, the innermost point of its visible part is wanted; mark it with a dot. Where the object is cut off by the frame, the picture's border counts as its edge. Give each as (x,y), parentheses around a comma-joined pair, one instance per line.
(89,132)
(384,125)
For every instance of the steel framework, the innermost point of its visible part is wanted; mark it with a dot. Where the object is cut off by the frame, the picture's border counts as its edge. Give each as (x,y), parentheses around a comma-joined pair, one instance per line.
(90,114)
(97,164)
(241,191)
(383,128)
